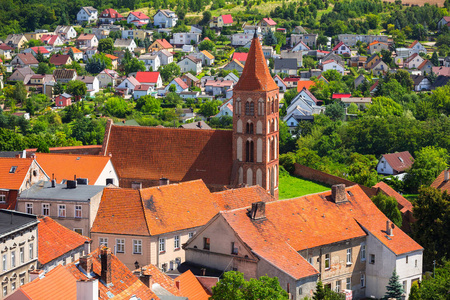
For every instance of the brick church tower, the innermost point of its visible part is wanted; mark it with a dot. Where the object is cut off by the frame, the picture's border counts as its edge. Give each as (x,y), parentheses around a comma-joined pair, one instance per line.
(255,123)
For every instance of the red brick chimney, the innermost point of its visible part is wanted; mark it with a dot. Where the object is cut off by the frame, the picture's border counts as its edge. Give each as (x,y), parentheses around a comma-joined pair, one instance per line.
(105,256)
(389,228)
(86,263)
(258,210)
(338,193)
(446,175)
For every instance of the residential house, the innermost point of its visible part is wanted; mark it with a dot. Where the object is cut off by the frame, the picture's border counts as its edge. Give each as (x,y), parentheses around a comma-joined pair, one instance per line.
(445,63)
(87,41)
(417,47)
(332,56)
(60,60)
(127,86)
(52,40)
(361,102)
(71,204)
(404,52)
(421,83)
(285,65)
(240,56)
(426,67)
(292,81)
(125,44)
(147,240)
(92,84)
(310,39)
(234,64)
(301,84)
(152,62)
(413,62)
(442,182)
(36,50)
(373,59)
(352,39)
(280,82)
(41,83)
(440,81)
(286,54)
(231,76)
(66,32)
(206,57)
(357,61)
(165,18)
(138,19)
(249,29)
(57,245)
(267,24)
(444,71)
(221,21)
(300,46)
(5,51)
(63,100)
(180,86)
(187,48)
(341,237)
(268,51)
(333,65)
(36,35)
(107,78)
(24,59)
(137,34)
(301,108)
(142,90)
(309,97)
(190,80)
(444,21)
(190,63)
(17,41)
(109,16)
(242,39)
(77,54)
(359,80)
(21,73)
(342,49)
(299,29)
(377,46)
(165,57)
(161,44)
(185,38)
(218,87)
(150,78)
(114,60)
(64,75)
(379,68)
(87,14)
(395,163)
(19,245)
(226,109)
(96,275)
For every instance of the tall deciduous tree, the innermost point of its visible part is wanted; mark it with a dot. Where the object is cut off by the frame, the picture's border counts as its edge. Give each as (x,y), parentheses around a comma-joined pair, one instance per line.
(106,45)
(76,88)
(388,206)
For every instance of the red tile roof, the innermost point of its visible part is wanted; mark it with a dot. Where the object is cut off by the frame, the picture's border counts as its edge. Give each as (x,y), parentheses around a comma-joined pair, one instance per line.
(59,59)
(147,77)
(110,13)
(41,49)
(441,183)
(112,57)
(337,46)
(160,278)
(307,84)
(403,203)
(175,153)
(240,56)
(227,19)
(66,166)
(13,181)
(86,36)
(413,44)
(139,15)
(49,39)
(409,59)
(340,96)
(5,47)
(256,75)
(191,288)
(269,21)
(399,161)
(27,58)
(56,240)
(181,83)
(423,64)
(164,44)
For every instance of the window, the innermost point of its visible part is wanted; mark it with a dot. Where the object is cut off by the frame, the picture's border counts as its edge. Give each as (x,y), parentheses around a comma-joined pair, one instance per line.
(137,246)
(349,256)
(61,211)
(77,211)
(45,209)
(78,230)
(415,264)
(103,241)
(5,290)
(29,208)
(363,280)
(310,260)
(13,286)
(337,288)
(4,262)
(162,245)
(327,261)
(13,259)
(190,234)
(405,285)
(406,258)
(176,242)
(249,151)
(2,198)
(348,283)
(363,252)
(234,248)
(372,258)
(120,245)
(22,281)
(31,251)
(22,255)
(206,243)
(249,108)
(13,169)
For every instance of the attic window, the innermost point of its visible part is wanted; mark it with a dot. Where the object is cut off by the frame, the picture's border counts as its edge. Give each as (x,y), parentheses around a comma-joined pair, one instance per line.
(401,159)
(13,169)
(78,158)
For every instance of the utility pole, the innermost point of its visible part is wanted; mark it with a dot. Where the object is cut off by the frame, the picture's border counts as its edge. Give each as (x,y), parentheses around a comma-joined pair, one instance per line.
(434,269)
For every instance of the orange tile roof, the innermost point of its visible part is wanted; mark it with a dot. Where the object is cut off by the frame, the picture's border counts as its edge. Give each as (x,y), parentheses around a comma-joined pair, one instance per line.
(304,84)
(56,240)
(175,153)
(162,279)
(167,208)
(164,44)
(74,50)
(59,283)
(111,56)
(207,54)
(440,183)
(66,166)
(13,181)
(191,288)
(403,203)
(256,74)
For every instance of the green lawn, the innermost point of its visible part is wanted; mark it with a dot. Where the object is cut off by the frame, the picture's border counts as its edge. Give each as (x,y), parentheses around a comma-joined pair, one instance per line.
(411,197)
(291,187)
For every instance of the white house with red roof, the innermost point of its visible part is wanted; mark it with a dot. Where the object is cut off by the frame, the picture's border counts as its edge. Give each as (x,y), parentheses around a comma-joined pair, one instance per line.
(395,163)
(342,49)
(66,32)
(240,57)
(87,40)
(52,40)
(301,46)
(36,50)
(110,16)
(180,86)
(267,24)
(5,51)
(221,21)
(218,87)
(333,65)
(142,90)
(150,78)
(413,62)
(280,82)
(127,86)
(444,21)
(165,18)
(138,19)
(417,47)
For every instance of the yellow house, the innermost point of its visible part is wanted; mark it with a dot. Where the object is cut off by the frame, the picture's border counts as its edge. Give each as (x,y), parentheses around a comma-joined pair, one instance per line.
(160,45)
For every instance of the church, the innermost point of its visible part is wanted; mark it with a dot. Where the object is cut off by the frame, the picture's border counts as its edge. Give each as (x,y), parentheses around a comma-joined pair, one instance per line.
(246,155)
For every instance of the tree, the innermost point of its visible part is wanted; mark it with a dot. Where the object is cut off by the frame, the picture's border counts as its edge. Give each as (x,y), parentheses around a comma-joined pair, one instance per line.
(39,56)
(319,293)
(362,168)
(148,104)
(384,106)
(394,288)
(389,207)
(270,38)
(335,111)
(414,293)
(206,17)
(433,287)
(43,68)
(206,45)
(20,92)
(435,59)
(172,88)
(116,107)
(233,286)
(106,45)
(169,71)
(71,54)
(386,56)
(76,88)
(209,108)
(134,65)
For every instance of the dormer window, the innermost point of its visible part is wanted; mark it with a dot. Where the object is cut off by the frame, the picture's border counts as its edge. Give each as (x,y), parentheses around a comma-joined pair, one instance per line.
(13,169)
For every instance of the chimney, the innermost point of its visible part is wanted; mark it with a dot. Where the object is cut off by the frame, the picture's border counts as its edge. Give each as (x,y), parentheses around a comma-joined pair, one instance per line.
(17,155)
(199,124)
(338,193)
(71,184)
(87,247)
(136,185)
(389,228)
(177,284)
(33,156)
(446,175)
(258,210)
(86,263)
(87,289)
(164,181)
(53,183)
(146,279)
(106,265)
